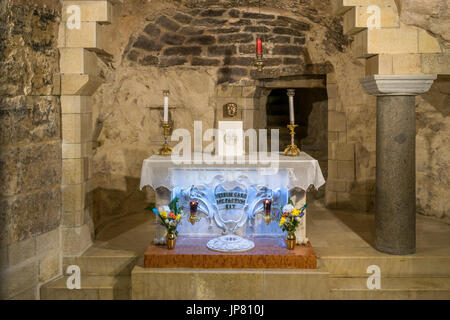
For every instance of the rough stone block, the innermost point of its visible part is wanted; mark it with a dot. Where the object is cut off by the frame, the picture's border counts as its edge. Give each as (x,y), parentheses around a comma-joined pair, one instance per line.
(90,11)
(21,251)
(428,43)
(331,78)
(346,170)
(173,39)
(183,51)
(356,18)
(73,197)
(332,169)
(76,127)
(330,198)
(406,64)
(75,171)
(17,280)
(79,84)
(336,121)
(205,62)
(287,50)
(78,60)
(394,41)
(50,266)
(76,240)
(379,64)
(28,294)
(236,38)
(342,6)
(202,40)
(49,241)
(167,23)
(76,150)
(436,63)
(89,36)
(332,90)
(333,136)
(76,104)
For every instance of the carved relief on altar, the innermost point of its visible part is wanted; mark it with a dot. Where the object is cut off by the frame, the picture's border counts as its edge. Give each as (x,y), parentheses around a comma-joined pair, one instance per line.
(231,208)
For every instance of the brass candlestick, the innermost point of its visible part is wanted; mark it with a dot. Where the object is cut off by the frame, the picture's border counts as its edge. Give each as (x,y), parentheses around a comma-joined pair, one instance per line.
(292,149)
(193,205)
(267,210)
(166,150)
(259,63)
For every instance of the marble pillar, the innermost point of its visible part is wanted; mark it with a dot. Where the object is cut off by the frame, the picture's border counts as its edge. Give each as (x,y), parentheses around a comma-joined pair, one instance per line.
(395,207)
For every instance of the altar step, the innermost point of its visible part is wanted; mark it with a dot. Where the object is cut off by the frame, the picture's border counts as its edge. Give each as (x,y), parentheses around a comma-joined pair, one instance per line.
(420,288)
(92,288)
(353,262)
(101,261)
(105,275)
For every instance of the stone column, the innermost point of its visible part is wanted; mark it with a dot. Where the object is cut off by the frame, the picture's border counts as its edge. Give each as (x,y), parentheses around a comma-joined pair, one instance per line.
(395,215)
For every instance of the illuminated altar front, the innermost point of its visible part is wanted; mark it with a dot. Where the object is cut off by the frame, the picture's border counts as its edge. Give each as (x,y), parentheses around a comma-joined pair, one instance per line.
(231,195)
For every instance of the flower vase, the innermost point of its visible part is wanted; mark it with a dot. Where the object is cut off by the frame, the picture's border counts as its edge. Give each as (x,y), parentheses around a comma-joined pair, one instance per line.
(290,241)
(171,240)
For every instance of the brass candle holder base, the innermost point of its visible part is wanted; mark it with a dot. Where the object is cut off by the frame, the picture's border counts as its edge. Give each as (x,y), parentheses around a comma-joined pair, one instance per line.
(259,63)
(193,219)
(292,149)
(166,150)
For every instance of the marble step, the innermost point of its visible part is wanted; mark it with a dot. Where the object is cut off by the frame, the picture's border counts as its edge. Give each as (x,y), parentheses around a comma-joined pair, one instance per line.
(104,262)
(353,262)
(92,288)
(391,288)
(228,284)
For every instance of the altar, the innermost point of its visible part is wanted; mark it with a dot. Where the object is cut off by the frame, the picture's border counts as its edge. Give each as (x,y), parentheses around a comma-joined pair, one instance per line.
(231,195)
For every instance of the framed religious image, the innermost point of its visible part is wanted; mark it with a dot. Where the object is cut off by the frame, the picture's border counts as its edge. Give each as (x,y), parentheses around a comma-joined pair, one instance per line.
(230,138)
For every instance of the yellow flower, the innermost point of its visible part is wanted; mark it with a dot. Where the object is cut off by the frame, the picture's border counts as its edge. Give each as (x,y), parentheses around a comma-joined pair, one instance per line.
(178,217)
(295,212)
(164,214)
(282,221)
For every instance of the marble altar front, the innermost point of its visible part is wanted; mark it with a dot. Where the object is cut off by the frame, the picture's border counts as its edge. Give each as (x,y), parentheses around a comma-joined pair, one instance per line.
(230,195)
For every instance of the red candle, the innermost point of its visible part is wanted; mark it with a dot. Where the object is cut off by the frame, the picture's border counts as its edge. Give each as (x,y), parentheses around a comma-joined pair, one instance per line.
(258,46)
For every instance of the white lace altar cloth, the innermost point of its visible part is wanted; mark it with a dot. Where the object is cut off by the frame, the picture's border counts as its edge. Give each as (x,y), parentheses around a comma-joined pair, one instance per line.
(293,172)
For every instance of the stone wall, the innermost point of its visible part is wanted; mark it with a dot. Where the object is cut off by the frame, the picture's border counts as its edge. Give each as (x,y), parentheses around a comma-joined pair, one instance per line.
(146,40)
(223,38)
(155,47)
(30,148)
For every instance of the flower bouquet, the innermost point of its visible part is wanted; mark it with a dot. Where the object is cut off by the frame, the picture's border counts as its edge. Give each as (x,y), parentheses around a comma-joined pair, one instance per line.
(170,217)
(289,221)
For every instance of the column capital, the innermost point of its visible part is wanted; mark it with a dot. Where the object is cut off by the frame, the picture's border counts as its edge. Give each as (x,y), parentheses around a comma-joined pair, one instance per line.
(397,85)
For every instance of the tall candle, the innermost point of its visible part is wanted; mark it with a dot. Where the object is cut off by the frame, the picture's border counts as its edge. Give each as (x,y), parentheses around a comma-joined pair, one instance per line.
(166,106)
(291,94)
(258,46)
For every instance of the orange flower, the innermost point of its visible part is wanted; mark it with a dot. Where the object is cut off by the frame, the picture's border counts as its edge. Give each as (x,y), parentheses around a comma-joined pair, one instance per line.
(285,215)
(172,215)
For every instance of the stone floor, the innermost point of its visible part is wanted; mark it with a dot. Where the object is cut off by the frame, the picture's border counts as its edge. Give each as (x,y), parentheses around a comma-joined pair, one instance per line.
(342,240)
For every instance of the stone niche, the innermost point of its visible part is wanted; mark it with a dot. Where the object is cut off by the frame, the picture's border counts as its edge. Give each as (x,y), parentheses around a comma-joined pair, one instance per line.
(205,56)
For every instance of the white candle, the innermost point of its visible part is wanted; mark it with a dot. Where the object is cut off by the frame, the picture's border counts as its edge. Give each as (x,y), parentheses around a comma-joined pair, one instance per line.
(166,107)
(291,94)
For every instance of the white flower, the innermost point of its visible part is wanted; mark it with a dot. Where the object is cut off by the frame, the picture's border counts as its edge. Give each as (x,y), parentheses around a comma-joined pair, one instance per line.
(164,208)
(166,221)
(288,208)
(297,219)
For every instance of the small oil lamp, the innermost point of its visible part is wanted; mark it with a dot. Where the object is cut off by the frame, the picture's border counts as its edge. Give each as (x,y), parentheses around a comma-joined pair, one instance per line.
(193,205)
(267,210)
